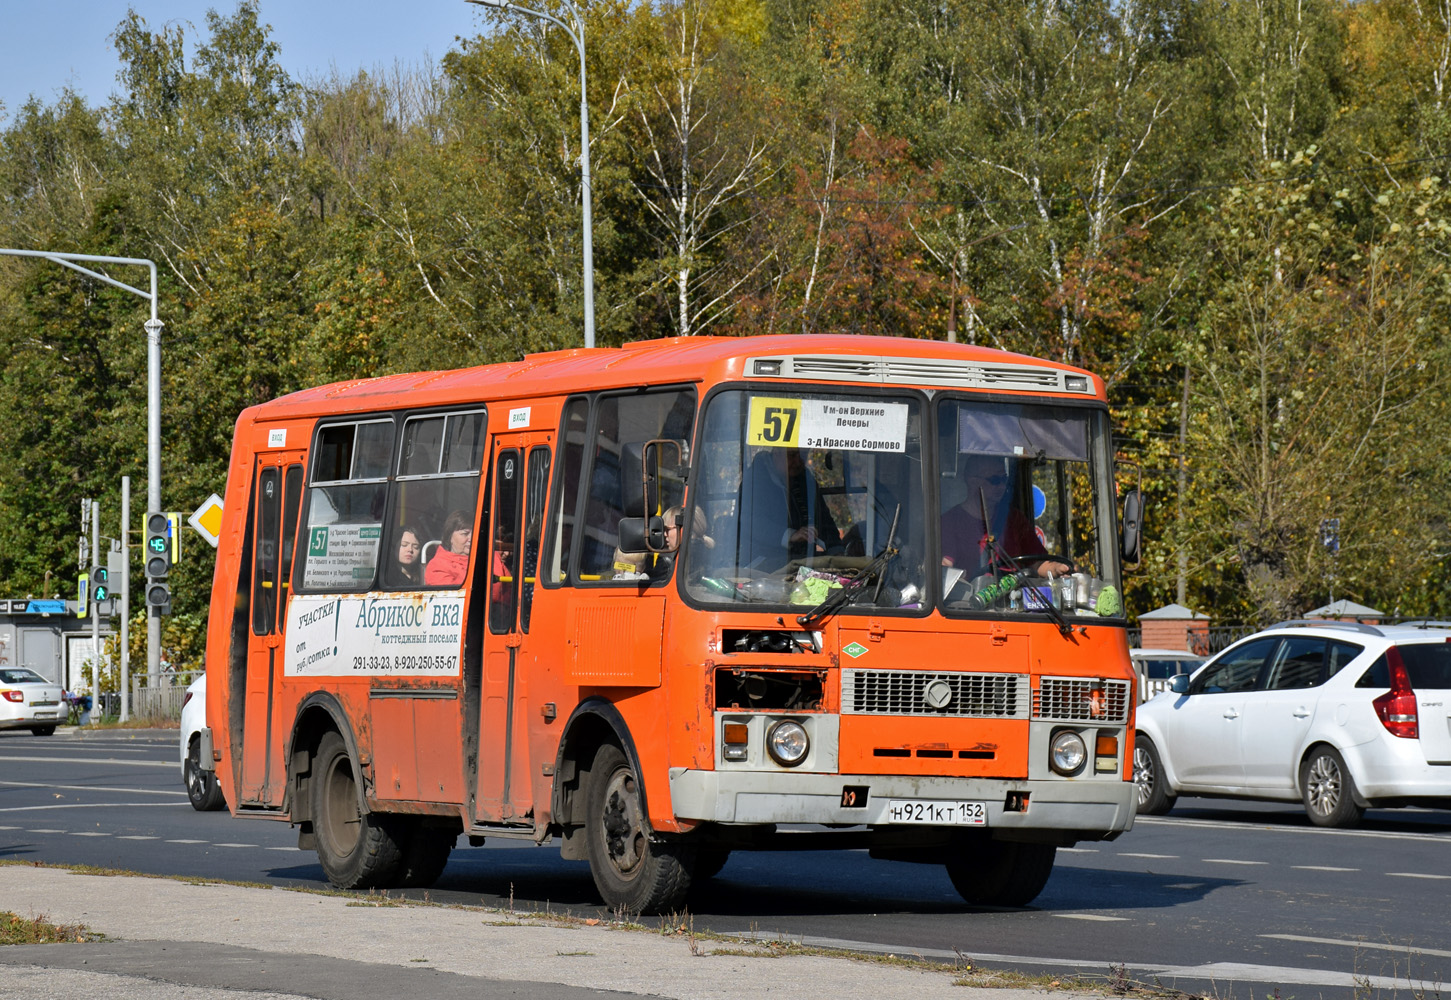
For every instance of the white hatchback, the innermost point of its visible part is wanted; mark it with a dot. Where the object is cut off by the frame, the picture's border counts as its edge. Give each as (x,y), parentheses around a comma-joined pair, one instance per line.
(1341,716)
(29,701)
(201,785)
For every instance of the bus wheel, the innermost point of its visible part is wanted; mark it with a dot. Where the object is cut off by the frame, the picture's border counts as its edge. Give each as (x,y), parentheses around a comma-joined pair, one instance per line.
(709,861)
(1002,873)
(425,854)
(632,872)
(356,847)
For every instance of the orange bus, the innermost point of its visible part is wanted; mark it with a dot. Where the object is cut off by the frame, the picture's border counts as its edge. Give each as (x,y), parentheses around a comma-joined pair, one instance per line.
(678,599)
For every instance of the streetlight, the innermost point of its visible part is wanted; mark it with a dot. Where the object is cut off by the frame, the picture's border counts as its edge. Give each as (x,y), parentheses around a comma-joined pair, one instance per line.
(576,35)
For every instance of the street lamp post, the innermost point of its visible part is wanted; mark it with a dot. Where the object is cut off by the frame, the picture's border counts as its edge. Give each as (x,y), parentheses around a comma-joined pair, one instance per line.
(576,35)
(153,400)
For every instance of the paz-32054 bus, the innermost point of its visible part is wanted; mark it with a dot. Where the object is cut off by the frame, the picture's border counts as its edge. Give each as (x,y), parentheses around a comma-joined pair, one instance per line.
(678,599)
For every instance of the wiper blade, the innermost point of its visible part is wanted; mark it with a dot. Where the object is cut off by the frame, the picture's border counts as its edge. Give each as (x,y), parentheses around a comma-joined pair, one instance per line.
(877,567)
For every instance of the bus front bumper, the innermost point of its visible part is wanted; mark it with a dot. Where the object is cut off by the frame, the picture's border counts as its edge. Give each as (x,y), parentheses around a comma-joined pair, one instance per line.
(1088,809)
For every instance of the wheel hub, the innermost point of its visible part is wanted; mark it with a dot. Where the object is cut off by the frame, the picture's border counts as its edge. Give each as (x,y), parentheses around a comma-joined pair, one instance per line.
(1143,775)
(1322,786)
(624,829)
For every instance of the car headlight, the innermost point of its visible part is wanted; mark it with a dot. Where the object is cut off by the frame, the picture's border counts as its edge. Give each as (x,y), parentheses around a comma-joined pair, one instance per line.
(787,743)
(1067,754)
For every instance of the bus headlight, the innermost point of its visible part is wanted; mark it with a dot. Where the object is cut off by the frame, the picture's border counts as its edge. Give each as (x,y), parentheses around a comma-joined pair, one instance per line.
(787,743)
(1067,754)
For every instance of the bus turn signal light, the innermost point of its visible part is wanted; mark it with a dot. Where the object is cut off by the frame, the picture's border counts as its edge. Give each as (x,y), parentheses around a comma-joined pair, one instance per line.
(737,735)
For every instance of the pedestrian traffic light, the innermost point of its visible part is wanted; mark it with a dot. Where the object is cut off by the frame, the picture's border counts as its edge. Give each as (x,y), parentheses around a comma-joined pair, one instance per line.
(158,563)
(100,583)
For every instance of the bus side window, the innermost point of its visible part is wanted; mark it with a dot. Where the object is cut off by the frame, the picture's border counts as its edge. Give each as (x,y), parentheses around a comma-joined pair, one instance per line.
(291,507)
(536,485)
(572,439)
(438,475)
(264,578)
(504,554)
(623,423)
(349,487)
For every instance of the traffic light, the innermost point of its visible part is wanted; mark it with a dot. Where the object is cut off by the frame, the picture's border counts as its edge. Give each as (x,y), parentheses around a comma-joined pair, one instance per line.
(158,563)
(100,583)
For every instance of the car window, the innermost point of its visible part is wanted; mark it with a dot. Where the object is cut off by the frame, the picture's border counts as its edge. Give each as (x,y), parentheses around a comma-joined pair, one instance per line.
(1159,670)
(1377,675)
(19,675)
(1428,665)
(1338,656)
(1237,669)
(1298,663)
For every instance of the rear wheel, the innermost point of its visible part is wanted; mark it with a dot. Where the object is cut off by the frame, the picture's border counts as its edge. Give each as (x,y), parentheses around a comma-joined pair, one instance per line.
(632,872)
(356,847)
(1154,796)
(425,854)
(201,786)
(1328,790)
(42,730)
(1002,873)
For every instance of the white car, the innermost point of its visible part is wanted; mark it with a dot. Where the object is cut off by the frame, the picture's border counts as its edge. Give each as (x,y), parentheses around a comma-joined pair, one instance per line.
(201,786)
(29,701)
(1157,667)
(1340,716)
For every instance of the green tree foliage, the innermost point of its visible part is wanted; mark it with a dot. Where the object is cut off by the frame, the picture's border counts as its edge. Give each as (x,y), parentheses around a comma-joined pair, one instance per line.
(1233,212)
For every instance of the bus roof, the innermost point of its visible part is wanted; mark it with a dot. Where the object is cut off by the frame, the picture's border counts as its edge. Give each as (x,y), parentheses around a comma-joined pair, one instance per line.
(817,357)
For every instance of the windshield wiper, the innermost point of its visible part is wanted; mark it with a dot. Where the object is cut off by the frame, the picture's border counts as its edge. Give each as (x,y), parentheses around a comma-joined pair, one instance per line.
(877,567)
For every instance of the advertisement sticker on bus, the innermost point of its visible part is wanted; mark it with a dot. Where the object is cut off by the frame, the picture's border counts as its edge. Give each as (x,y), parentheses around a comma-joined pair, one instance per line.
(356,635)
(847,425)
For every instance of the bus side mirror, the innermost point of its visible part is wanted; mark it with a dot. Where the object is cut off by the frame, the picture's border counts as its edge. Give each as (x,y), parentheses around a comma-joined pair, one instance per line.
(1131,530)
(640,534)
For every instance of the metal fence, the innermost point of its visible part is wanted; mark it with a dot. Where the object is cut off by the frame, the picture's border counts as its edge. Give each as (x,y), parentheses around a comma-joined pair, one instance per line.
(160,702)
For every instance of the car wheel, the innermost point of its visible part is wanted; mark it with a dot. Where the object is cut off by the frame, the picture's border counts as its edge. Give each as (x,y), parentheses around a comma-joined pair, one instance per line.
(632,872)
(1001,873)
(201,786)
(357,847)
(1328,790)
(1154,796)
(42,730)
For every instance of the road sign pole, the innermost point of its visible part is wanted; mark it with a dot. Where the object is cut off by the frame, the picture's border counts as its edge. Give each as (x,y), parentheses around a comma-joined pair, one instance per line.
(95,618)
(125,598)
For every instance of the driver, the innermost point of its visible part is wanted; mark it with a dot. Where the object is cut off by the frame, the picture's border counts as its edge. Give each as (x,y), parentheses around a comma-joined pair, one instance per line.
(965,540)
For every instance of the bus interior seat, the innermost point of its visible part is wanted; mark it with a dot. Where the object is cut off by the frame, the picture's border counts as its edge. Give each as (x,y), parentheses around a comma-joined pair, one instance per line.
(429,548)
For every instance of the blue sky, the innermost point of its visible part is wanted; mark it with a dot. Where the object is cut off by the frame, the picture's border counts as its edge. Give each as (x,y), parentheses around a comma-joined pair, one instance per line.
(46,45)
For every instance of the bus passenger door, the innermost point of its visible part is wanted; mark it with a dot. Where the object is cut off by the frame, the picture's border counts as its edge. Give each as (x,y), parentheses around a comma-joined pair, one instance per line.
(277,496)
(520,482)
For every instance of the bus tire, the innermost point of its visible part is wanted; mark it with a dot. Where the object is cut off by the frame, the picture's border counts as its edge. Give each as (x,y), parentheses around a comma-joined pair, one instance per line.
(425,854)
(1002,873)
(356,847)
(632,872)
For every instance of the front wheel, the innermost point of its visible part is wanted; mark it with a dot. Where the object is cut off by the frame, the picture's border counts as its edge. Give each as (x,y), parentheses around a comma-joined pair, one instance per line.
(1154,796)
(1001,873)
(1327,789)
(42,730)
(356,847)
(201,786)
(631,871)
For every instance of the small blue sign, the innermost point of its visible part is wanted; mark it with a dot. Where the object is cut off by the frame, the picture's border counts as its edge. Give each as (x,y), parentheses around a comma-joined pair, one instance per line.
(45,608)
(1040,502)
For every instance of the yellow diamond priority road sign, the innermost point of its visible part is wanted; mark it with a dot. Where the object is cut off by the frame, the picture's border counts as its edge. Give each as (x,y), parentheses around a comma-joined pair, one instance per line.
(207,519)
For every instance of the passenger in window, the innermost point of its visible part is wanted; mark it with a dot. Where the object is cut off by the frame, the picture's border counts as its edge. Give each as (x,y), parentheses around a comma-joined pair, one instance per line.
(449,565)
(408,569)
(787,516)
(965,539)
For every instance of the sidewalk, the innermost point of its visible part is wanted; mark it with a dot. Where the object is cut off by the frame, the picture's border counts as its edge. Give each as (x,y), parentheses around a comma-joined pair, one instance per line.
(172,940)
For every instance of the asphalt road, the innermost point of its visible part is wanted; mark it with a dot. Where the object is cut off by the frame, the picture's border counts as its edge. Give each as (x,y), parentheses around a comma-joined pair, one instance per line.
(1216,892)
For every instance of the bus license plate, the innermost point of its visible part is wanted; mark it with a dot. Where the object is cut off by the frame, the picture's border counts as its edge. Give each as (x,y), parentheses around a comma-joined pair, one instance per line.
(937,812)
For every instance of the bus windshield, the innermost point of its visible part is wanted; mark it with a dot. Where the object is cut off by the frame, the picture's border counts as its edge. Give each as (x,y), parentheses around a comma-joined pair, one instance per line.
(797,492)
(1025,510)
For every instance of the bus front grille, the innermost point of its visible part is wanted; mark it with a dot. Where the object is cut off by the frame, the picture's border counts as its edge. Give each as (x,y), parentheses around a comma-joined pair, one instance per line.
(934,693)
(1081,699)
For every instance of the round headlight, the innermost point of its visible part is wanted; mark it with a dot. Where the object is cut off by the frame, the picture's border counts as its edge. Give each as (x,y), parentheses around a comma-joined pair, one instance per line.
(787,743)
(1067,753)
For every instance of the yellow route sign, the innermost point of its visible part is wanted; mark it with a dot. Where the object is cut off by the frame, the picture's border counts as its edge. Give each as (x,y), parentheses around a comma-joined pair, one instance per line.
(207,519)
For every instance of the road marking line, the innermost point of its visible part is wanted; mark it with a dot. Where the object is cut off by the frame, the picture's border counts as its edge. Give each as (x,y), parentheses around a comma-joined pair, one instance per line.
(135,837)
(90,788)
(1230,861)
(285,849)
(186,841)
(94,805)
(1323,868)
(233,845)
(1079,850)
(1415,875)
(1131,854)
(1185,885)
(88,833)
(98,760)
(1087,916)
(45,831)
(1211,824)
(1371,945)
